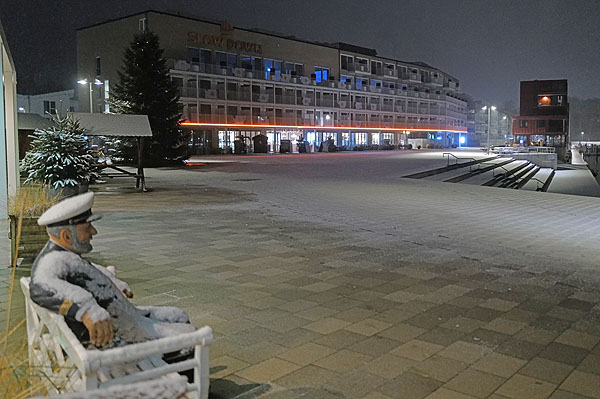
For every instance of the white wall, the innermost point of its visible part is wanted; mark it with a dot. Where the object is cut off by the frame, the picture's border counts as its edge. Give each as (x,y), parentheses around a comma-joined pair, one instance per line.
(63,100)
(8,127)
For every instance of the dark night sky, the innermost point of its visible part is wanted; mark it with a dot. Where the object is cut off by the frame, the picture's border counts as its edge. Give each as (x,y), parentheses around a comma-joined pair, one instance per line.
(489,45)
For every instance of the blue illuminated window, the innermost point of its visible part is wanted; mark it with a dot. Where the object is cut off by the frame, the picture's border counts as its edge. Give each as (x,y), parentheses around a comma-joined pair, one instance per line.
(321,74)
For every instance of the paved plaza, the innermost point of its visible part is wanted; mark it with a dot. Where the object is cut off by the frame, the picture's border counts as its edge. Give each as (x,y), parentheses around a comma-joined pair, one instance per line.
(332,276)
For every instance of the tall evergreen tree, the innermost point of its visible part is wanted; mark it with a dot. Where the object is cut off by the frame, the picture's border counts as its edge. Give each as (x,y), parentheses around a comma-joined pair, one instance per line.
(144,87)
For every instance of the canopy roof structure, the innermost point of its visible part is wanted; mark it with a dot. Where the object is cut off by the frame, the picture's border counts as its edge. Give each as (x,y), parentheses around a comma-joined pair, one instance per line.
(30,121)
(112,125)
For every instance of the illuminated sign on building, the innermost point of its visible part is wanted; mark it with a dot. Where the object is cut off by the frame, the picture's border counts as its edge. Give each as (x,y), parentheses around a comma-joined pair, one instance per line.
(224,42)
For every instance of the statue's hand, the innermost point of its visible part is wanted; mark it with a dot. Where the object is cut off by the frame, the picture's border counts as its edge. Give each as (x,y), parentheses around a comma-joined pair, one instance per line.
(101,332)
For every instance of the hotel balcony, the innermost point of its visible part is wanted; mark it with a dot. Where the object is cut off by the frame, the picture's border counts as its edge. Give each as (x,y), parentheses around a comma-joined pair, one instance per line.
(270,120)
(187,81)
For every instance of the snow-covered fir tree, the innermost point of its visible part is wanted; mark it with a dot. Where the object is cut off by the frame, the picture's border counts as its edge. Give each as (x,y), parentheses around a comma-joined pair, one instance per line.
(59,155)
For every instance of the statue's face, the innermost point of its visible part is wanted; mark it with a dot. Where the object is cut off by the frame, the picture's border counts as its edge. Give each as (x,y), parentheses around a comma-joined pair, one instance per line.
(81,242)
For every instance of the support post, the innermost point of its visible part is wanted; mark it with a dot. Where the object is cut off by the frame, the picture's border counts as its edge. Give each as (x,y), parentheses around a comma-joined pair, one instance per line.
(140,181)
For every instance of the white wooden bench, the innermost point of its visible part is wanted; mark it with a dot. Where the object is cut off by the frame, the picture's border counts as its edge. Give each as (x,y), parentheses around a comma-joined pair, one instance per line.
(59,359)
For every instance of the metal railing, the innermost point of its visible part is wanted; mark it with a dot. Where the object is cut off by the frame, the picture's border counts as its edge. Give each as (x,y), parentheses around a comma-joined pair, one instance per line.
(456,159)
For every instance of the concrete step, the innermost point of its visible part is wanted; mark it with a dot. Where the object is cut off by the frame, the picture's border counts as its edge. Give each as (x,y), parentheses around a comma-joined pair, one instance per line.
(537,181)
(483,168)
(524,177)
(449,168)
(450,174)
(506,173)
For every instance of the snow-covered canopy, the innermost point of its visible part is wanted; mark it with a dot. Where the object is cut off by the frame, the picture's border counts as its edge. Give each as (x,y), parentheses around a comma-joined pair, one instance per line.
(114,125)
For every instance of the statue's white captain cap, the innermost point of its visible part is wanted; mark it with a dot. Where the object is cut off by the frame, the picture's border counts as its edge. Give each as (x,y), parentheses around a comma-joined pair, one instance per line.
(72,210)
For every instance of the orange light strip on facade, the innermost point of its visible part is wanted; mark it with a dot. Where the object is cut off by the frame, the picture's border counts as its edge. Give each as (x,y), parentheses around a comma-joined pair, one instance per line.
(393,129)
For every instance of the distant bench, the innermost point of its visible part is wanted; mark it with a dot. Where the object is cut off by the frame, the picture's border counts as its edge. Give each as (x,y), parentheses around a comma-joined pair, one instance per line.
(140,179)
(64,365)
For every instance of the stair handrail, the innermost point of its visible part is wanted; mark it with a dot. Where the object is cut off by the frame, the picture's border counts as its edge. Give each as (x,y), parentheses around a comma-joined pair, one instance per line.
(456,158)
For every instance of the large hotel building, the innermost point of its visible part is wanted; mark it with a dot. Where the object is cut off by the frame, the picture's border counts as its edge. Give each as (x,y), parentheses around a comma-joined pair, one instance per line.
(237,83)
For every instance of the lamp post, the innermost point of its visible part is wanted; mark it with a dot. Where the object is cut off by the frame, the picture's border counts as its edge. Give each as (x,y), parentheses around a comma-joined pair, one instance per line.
(580,140)
(86,82)
(489,110)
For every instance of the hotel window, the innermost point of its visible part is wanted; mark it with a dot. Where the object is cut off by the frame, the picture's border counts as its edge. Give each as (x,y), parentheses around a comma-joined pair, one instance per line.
(376,68)
(523,123)
(347,62)
(142,25)
(389,85)
(322,74)
(49,107)
(540,123)
(225,60)
(251,64)
(272,68)
(193,55)
(346,79)
(543,101)
(361,82)
(376,83)
(294,69)
(362,64)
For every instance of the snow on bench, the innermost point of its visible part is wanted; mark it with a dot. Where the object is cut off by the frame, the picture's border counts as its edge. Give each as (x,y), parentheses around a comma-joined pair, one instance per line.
(57,356)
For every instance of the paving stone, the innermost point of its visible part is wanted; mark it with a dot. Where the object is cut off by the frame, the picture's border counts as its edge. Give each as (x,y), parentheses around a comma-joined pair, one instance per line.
(374,346)
(268,370)
(498,304)
(327,325)
(564,353)
(463,324)
(591,364)
(439,367)
(547,370)
(309,376)
(417,350)
(520,386)
(343,361)
(388,366)
(475,383)
(464,351)
(355,384)
(225,365)
(306,354)
(519,349)
(410,385)
(536,335)
(315,313)
(402,332)
(444,393)
(583,384)
(498,364)
(578,339)
(368,327)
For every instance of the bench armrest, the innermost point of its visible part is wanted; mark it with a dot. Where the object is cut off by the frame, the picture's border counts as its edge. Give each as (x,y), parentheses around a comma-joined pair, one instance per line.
(143,350)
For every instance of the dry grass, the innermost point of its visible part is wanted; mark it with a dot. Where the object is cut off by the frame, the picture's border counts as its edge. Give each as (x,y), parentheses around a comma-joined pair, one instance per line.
(31,201)
(17,378)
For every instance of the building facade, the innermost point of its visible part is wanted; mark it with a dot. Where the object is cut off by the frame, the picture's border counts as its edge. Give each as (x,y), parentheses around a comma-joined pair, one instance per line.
(9,168)
(480,119)
(48,103)
(236,83)
(543,114)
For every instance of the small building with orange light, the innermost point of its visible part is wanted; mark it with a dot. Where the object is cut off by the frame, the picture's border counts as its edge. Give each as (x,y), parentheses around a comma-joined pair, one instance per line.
(544,115)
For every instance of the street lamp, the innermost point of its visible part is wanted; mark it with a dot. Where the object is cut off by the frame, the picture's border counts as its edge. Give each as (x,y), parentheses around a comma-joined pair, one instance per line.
(489,110)
(581,139)
(96,82)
